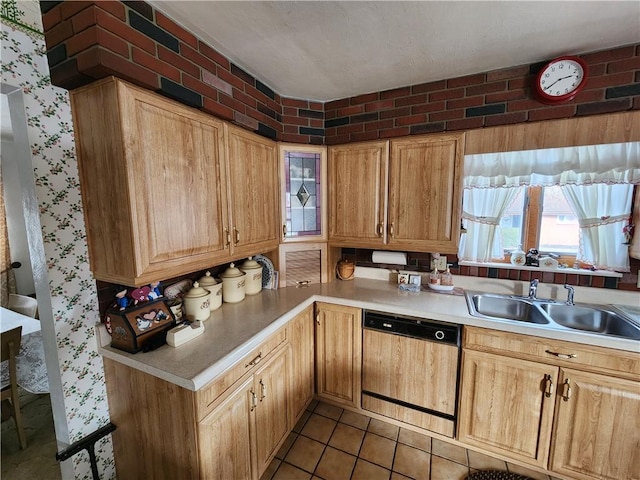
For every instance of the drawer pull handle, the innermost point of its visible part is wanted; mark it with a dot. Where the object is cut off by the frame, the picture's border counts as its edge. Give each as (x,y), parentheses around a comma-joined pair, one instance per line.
(318,318)
(284,231)
(548,391)
(255,360)
(237,236)
(566,390)
(253,400)
(391,229)
(227,238)
(263,391)
(566,356)
(302,283)
(379,229)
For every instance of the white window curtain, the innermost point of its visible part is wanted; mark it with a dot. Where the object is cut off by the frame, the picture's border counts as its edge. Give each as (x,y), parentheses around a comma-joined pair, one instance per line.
(602,211)
(482,210)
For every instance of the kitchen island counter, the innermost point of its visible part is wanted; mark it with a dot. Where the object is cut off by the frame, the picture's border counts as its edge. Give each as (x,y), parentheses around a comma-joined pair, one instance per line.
(234,330)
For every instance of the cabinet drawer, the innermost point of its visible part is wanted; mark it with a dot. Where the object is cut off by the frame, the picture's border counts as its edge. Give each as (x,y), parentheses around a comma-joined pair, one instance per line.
(206,398)
(556,352)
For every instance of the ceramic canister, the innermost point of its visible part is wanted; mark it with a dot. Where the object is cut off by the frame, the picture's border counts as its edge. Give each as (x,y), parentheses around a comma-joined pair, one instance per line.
(196,303)
(254,276)
(233,284)
(209,283)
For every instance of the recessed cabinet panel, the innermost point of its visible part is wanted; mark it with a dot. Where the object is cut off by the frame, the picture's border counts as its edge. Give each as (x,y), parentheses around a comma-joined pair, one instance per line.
(504,408)
(357,191)
(253,187)
(597,430)
(177,157)
(424,193)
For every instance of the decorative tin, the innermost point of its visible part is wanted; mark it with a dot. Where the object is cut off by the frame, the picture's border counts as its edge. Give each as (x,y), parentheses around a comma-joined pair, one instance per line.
(141,327)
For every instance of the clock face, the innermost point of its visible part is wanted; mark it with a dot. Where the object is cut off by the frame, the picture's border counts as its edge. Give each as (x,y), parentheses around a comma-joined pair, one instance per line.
(561,80)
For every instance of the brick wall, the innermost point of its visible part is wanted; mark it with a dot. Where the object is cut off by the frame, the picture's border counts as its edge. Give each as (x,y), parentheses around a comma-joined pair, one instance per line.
(90,40)
(483,100)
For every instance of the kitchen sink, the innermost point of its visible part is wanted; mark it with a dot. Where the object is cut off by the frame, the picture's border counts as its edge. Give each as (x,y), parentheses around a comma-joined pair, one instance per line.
(591,318)
(509,308)
(597,319)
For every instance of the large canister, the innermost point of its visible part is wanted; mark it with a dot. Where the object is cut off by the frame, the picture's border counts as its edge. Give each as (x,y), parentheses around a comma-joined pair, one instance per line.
(254,276)
(209,283)
(233,284)
(196,303)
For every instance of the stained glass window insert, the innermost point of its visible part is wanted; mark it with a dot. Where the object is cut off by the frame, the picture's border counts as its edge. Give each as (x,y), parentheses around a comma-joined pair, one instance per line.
(302,196)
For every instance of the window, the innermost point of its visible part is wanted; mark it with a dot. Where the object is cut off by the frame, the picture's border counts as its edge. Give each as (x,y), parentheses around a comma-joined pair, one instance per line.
(574,202)
(541,218)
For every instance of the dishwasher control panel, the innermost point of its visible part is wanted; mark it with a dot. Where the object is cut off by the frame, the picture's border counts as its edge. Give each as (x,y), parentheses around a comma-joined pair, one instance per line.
(432,330)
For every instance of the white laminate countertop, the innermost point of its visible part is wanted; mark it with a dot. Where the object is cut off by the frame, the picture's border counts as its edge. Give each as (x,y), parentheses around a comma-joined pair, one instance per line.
(234,330)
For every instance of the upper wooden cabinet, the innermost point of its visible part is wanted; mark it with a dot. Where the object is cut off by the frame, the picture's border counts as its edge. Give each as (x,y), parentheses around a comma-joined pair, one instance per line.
(165,193)
(358,194)
(253,192)
(403,194)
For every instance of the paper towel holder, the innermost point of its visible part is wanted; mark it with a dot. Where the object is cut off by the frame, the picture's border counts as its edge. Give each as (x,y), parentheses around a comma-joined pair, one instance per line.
(393,258)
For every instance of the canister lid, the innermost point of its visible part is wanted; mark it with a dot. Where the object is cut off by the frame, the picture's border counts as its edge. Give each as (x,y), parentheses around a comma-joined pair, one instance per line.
(207,280)
(232,272)
(196,292)
(250,264)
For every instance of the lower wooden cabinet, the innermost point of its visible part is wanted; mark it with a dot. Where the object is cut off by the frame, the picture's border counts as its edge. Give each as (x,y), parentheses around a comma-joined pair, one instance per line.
(572,409)
(224,437)
(339,353)
(300,333)
(506,406)
(597,427)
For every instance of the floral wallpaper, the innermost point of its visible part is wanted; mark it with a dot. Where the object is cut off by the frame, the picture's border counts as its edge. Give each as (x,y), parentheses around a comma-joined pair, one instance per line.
(73,292)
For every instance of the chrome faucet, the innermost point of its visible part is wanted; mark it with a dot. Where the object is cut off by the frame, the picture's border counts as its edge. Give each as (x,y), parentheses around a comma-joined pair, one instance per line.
(569,294)
(533,288)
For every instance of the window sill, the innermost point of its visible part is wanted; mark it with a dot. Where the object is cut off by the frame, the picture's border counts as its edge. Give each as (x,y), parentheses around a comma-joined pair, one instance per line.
(575,271)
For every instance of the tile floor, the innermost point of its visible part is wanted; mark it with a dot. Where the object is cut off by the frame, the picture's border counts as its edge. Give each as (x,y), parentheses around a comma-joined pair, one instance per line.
(334,444)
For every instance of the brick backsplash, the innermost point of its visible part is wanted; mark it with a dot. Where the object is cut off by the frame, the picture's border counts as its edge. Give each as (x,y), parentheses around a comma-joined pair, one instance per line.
(421,262)
(88,40)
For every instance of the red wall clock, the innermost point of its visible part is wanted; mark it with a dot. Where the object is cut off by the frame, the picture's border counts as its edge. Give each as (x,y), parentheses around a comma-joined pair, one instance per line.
(560,80)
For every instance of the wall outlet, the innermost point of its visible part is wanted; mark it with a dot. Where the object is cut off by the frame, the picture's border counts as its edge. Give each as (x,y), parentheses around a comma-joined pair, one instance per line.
(439,262)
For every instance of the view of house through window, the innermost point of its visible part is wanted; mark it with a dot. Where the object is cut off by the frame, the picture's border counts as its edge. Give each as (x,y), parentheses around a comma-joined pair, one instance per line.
(550,223)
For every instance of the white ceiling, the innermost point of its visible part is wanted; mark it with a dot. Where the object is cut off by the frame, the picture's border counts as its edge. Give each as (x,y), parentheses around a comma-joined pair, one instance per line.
(330,50)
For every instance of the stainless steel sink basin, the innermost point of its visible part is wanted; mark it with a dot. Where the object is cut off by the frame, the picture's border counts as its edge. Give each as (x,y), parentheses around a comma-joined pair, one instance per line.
(509,308)
(591,319)
(585,317)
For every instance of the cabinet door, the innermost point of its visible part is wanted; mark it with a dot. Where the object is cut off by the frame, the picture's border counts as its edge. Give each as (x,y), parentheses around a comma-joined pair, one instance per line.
(300,335)
(339,353)
(254,192)
(153,183)
(224,437)
(504,407)
(424,193)
(303,172)
(597,427)
(358,194)
(271,386)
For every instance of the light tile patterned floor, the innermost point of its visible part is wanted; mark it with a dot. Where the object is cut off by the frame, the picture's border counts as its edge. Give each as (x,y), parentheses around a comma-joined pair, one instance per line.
(334,444)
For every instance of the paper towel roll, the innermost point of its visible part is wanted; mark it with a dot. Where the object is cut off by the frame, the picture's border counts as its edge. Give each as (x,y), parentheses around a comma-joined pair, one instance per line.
(394,258)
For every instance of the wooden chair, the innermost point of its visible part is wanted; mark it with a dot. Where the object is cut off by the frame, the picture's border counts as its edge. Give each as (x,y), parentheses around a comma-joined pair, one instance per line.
(9,348)
(23,304)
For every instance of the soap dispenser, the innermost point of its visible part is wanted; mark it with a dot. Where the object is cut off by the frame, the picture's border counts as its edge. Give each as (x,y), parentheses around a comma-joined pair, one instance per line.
(434,277)
(446,279)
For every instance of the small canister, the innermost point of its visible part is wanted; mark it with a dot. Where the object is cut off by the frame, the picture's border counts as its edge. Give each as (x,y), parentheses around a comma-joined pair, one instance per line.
(233,284)
(209,283)
(196,303)
(254,276)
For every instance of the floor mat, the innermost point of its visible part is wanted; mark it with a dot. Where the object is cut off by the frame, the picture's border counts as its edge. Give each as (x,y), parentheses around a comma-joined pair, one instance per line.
(496,475)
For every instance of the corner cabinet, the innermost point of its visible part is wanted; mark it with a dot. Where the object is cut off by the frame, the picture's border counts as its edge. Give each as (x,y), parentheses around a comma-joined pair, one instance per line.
(402,194)
(339,353)
(167,189)
(572,409)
